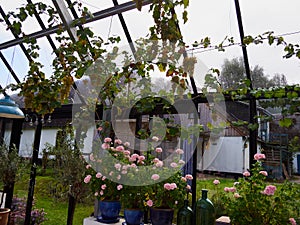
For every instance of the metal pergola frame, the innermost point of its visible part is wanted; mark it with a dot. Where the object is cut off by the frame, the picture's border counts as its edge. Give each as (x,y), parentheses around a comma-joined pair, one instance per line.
(117,9)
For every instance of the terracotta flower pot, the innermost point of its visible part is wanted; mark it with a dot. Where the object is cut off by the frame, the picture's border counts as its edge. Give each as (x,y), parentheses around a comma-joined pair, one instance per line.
(4,214)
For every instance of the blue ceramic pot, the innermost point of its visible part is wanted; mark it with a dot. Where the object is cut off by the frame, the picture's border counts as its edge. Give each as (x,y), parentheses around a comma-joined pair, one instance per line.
(109,210)
(161,216)
(133,216)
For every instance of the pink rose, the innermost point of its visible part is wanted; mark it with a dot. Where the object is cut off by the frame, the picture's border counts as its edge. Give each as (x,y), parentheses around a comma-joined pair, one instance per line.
(96,194)
(183,179)
(236,195)
(155,177)
(269,190)
(173,186)
(88,166)
(120,148)
(158,150)
(259,156)
(87,179)
(103,186)
(292,221)
(232,189)
(179,151)
(188,187)
(119,187)
(167,186)
(181,161)
(141,158)
(189,177)
(101,192)
(92,158)
(155,160)
(127,152)
(107,140)
(226,189)
(246,174)
(159,164)
(98,175)
(216,182)
(265,173)
(154,138)
(118,166)
(135,156)
(150,203)
(118,141)
(126,144)
(105,146)
(133,165)
(173,165)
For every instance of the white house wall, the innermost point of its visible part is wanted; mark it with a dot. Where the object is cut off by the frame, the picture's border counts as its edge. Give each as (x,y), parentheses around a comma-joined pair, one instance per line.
(27,140)
(47,136)
(224,154)
(295,163)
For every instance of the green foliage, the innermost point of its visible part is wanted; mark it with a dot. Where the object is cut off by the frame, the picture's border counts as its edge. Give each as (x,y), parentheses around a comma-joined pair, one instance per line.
(69,166)
(163,195)
(294,145)
(166,21)
(285,122)
(11,164)
(252,201)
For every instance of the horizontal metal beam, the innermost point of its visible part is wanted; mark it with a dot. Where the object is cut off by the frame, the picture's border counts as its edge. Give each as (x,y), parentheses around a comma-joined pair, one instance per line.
(96,16)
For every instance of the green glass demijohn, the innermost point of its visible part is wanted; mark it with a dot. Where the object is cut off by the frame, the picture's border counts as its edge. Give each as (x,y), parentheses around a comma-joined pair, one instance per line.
(204,210)
(185,214)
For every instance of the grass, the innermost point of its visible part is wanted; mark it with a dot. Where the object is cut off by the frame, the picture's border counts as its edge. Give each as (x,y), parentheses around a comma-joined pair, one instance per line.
(207,183)
(57,210)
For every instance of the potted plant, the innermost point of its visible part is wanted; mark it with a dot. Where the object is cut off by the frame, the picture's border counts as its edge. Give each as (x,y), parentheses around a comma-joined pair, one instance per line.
(101,176)
(134,203)
(9,165)
(167,196)
(141,180)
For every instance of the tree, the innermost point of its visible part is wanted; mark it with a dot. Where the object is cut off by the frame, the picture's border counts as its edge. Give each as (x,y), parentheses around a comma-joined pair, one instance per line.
(233,74)
(278,80)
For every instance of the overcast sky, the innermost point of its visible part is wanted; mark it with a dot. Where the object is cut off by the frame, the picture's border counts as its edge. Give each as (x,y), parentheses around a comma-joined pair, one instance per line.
(213,18)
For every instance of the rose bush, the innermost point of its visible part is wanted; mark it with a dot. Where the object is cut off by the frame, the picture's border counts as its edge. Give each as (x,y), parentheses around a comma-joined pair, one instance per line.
(139,179)
(252,201)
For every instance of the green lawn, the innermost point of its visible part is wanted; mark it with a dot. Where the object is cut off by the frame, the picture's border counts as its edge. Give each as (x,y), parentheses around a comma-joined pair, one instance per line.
(57,210)
(207,183)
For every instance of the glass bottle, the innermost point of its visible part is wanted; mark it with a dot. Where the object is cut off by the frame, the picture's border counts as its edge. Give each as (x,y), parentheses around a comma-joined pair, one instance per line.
(204,210)
(185,214)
